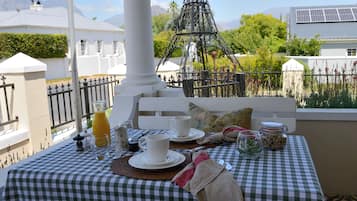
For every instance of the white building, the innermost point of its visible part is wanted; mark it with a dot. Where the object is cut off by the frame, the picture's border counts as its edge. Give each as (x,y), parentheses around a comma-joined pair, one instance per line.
(100,45)
(337,28)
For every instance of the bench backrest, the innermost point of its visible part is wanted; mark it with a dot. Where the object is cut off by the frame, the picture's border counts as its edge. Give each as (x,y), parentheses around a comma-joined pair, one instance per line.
(155,112)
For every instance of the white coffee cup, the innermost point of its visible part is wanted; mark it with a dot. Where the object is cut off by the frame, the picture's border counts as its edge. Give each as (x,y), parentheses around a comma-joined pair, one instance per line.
(181,125)
(155,147)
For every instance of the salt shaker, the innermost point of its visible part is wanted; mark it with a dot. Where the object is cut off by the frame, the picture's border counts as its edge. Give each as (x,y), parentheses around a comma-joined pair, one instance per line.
(121,137)
(87,142)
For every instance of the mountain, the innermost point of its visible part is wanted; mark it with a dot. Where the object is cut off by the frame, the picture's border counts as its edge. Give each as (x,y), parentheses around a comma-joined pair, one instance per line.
(118,20)
(157,10)
(6,5)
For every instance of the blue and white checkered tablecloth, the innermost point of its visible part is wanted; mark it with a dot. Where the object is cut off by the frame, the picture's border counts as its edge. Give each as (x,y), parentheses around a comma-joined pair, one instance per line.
(65,174)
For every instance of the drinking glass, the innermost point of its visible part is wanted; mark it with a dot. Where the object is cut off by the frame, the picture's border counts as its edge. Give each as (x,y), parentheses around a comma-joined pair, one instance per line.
(101,127)
(102,152)
(249,144)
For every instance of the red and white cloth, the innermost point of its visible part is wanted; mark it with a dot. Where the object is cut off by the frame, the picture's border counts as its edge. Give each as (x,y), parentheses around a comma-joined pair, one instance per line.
(207,180)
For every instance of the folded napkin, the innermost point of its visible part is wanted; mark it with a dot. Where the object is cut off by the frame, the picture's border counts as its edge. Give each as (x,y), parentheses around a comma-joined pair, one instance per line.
(228,134)
(207,180)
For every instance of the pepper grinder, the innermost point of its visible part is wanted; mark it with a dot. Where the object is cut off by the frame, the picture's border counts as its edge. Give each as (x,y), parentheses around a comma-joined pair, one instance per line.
(79,142)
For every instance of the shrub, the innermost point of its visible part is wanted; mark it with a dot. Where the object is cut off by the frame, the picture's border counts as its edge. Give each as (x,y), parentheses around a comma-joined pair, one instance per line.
(330,98)
(34,45)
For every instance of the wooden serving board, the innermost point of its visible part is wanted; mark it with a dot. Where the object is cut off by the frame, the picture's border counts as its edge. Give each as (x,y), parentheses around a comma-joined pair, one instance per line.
(122,167)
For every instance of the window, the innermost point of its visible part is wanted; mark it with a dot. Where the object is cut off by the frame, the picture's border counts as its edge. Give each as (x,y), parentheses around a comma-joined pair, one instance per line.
(115,47)
(99,46)
(351,52)
(83,47)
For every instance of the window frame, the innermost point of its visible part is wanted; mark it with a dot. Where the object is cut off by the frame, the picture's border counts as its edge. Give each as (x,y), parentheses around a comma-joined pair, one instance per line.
(352,52)
(116,47)
(99,46)
(83,45)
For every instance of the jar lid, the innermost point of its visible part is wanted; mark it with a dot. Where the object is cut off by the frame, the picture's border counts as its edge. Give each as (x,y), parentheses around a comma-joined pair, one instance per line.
(271,124)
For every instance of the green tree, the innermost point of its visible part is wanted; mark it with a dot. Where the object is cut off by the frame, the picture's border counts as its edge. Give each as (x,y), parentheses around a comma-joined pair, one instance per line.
(159,22)
(255,32)
(173,9)
(161,42)
(174,12)
(166,21)
(303,47)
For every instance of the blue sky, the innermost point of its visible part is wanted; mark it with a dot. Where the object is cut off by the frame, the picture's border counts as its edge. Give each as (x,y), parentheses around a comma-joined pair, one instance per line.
(224,10)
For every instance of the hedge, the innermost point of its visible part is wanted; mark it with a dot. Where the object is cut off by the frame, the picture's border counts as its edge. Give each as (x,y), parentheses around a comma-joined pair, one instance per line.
(34,45)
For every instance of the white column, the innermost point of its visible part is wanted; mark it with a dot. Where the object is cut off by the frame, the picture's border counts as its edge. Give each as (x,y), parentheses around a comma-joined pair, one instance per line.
(141,78)
(140,75)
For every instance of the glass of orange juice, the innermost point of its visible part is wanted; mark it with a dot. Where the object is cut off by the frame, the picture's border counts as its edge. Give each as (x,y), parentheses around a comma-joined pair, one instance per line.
(100,125)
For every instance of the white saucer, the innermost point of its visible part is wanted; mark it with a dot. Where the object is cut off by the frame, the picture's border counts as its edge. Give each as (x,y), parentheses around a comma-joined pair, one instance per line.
(194,134)
(174,158)
(171,158)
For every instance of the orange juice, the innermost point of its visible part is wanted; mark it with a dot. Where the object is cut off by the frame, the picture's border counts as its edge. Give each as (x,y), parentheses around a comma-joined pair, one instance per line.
(101,129)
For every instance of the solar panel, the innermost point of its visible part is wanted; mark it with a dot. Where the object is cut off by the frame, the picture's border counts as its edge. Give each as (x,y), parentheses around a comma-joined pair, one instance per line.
(345,14)
(326,15)
(303,16)
(331,15)
(354,10)
(317,15)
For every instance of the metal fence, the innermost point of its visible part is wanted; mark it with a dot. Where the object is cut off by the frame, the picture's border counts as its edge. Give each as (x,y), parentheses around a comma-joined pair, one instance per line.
(6,93)
(196,84)
(60,98)
(270,83)
(208,84)
(267,83)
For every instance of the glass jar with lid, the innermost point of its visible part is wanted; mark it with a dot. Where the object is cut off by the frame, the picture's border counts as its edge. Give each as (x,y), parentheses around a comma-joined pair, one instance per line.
(273,135)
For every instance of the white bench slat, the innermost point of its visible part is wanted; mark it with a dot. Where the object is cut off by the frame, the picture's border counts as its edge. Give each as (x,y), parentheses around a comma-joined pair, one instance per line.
(264,109)
(180,104)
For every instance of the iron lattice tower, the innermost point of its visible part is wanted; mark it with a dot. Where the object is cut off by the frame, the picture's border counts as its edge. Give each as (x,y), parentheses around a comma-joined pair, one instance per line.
(196,25)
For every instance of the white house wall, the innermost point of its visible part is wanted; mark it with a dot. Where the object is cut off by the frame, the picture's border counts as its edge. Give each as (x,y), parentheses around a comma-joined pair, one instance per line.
(56,68)
(324,30)
(88,65)
(336,49)
(319,63)
(93,36)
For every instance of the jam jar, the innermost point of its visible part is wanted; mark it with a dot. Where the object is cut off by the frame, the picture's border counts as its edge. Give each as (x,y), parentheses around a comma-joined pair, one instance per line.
(273,135)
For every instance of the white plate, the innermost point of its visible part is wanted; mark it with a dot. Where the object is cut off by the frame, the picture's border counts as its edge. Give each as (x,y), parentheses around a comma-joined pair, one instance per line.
(171,158)
(194,134)
(174,158)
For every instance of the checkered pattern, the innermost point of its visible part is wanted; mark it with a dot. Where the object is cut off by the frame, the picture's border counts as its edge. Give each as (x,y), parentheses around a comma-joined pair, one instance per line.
(65,174)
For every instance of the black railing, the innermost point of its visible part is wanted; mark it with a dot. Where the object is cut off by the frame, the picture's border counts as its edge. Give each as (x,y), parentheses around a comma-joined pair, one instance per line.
(60,98)
(5,90)
(264,83)
(342,85)
(208,84)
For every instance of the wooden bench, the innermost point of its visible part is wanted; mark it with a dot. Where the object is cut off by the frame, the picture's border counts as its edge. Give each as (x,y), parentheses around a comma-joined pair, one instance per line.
(154,112)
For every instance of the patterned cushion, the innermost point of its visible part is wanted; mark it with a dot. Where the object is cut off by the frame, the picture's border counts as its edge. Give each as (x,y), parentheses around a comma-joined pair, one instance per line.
(208,122)
(201,118)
